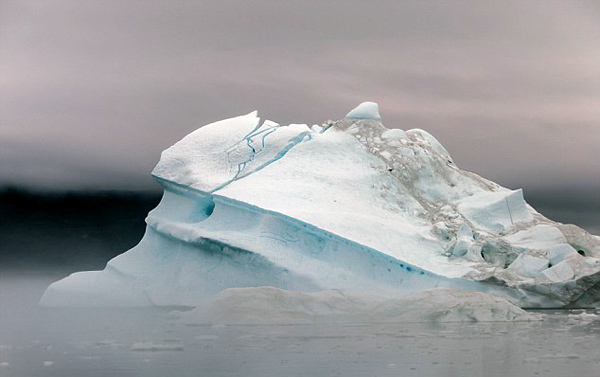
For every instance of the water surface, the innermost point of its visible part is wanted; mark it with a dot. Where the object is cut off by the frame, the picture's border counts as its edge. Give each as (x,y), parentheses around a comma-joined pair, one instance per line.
(63,342)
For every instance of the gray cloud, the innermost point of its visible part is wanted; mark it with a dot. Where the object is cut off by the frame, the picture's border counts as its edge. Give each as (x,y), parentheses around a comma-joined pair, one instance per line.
(91,92)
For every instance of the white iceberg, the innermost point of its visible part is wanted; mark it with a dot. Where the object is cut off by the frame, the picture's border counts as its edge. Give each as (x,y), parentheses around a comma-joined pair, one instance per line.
(348,205)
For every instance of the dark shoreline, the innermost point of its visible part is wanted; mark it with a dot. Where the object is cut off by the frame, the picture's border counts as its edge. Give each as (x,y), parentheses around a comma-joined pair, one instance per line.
(69,231)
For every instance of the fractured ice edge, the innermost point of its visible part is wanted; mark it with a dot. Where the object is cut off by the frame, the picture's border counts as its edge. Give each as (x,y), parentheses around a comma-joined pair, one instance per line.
(347,205)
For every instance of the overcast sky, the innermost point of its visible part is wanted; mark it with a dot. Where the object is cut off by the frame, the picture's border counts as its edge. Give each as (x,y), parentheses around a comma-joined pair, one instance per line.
(93,91)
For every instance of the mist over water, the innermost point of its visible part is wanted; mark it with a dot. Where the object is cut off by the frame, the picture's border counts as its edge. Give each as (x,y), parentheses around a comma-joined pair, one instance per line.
(66,342)
(46,237)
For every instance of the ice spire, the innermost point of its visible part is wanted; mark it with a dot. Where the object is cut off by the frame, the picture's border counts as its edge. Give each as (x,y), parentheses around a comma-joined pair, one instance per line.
(366,110)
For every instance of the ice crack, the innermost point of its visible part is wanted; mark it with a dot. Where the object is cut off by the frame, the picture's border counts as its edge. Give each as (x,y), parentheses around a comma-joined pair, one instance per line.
(250,140)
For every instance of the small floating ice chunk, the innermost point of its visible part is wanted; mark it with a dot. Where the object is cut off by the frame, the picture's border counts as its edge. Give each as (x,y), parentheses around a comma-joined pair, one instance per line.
(586,317)
(366,110)
(151,346)
(48,363)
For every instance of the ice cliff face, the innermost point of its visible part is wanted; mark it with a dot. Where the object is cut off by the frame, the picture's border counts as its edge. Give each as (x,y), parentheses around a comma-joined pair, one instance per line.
(345,205)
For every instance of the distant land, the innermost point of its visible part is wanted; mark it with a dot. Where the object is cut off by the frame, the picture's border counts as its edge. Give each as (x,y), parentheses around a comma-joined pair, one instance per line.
(69,231)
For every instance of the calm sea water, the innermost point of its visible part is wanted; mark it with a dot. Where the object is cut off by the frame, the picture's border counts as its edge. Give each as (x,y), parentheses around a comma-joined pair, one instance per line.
(38,341)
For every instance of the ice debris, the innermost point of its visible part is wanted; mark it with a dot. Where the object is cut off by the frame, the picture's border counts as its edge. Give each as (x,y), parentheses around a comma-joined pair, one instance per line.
(153,347)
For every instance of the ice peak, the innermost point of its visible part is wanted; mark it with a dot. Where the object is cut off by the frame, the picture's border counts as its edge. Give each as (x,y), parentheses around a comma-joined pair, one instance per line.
(366,110)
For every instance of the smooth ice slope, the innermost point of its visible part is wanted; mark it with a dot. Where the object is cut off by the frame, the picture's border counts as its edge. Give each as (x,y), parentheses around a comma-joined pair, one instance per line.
(347,205)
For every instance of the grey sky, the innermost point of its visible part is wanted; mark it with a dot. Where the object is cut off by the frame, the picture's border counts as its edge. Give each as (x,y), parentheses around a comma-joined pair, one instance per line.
(91,92)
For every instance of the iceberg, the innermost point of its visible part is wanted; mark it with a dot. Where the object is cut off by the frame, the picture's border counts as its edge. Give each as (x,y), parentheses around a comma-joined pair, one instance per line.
(269,306)
(347,205)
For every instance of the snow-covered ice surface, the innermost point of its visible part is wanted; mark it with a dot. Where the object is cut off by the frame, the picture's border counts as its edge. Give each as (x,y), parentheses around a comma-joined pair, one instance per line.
(347,205)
